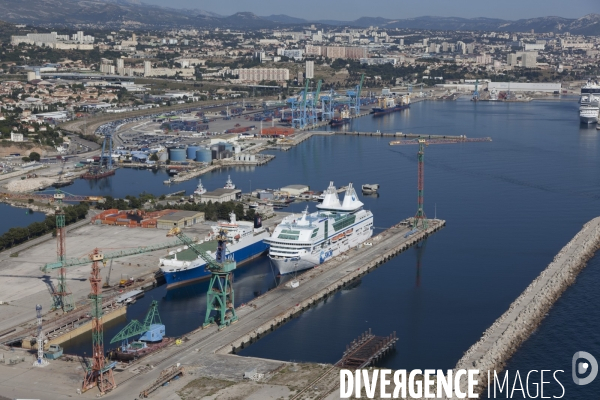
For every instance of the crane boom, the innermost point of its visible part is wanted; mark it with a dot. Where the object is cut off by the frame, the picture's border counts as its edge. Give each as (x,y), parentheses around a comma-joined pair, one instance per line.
(50,197)
(72,262)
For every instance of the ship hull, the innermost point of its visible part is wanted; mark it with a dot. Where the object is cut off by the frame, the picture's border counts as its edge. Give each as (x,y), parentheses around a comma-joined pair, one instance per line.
(338,122)
(381,111)
(588,120)
(319,256)
(194,274)
(98,175)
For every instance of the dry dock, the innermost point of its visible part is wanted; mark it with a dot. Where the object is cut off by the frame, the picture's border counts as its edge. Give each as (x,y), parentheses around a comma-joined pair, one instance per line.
(501,340)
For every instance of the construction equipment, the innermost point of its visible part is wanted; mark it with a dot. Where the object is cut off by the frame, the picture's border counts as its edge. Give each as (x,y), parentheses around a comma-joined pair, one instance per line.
(125,282)
(99,374)
(40,362)
(106,283)
(62,298)
(476,92)
(134,327)
(420,218)
(220,296)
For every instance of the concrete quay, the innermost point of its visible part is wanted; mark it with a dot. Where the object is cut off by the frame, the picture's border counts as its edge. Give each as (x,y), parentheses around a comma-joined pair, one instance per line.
(501,340)
(208,351)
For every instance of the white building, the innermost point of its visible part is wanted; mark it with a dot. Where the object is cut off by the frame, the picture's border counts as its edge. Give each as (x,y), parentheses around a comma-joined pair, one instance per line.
(529,59)
(378,61)
(296,54)
(262,74)
(310,70)
(524,87)
(120,66)
(147,68)
(16,137)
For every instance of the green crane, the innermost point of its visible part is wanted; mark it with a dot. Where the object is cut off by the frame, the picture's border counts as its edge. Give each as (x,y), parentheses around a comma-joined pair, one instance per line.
(134,327)
(220,295)
(73,262)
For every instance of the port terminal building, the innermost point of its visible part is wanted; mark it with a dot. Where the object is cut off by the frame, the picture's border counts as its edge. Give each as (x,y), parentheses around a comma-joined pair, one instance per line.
(524,87)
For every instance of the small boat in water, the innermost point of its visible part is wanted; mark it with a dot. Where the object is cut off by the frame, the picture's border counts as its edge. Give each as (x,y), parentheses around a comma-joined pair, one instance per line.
(370,188)
(168,181)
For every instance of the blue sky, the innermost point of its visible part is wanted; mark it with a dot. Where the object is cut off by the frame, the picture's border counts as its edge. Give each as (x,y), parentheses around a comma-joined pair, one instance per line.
(352,9)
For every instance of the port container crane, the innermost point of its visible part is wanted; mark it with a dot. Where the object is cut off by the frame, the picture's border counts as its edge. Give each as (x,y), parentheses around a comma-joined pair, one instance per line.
(220,296)
(301,121)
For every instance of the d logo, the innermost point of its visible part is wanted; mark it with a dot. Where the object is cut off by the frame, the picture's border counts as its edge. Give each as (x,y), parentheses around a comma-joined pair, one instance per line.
(583,367)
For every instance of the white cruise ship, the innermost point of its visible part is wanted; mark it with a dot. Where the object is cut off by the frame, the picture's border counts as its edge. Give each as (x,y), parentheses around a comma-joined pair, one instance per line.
(588,114)
(305,241)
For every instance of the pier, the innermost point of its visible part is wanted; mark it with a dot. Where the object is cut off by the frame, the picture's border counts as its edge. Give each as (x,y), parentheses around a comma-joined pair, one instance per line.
(501,340)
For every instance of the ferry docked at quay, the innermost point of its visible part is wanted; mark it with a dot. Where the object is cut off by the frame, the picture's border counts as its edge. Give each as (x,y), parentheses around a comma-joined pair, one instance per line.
(302,242)
(589,103)
(245,242)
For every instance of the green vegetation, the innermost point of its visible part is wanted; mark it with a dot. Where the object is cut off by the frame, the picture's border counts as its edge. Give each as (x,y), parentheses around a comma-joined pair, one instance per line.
(212,211)
(16,236)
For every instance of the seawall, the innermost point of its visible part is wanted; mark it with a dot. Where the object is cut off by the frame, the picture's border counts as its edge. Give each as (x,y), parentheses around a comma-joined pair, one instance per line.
(501,340)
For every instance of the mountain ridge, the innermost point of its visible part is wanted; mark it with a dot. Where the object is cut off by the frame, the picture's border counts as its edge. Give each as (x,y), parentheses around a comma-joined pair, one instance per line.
(136,14)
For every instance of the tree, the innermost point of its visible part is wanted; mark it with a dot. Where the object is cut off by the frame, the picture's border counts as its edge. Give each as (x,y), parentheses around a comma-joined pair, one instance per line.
(34,156)
(154,157)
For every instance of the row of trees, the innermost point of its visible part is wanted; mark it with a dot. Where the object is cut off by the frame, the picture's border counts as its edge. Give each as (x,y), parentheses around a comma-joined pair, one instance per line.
(212,211)
(16,236)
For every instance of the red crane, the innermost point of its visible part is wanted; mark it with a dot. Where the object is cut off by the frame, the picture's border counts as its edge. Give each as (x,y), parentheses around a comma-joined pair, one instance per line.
(99,374)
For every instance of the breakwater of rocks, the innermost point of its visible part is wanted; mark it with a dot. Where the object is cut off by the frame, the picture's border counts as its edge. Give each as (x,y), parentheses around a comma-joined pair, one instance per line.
(501,340)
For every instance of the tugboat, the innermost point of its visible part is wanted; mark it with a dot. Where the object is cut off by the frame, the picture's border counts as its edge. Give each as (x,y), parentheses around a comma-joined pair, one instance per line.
(229,184)
(200,190)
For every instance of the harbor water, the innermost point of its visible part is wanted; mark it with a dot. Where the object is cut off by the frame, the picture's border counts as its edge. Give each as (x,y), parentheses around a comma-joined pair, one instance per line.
(510,206)
(13,217)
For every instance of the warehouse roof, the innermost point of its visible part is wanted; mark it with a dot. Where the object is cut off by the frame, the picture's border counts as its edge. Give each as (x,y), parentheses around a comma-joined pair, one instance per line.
(177,215)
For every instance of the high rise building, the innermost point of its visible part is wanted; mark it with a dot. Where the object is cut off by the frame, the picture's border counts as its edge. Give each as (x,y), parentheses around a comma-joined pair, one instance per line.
(120,66)
(310,70)
(147,68)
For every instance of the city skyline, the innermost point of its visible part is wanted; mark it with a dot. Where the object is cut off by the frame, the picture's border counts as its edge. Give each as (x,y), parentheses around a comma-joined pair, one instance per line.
(353,9)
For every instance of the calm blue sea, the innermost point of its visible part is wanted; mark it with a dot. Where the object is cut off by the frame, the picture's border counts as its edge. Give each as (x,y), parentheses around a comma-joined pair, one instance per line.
(510,206)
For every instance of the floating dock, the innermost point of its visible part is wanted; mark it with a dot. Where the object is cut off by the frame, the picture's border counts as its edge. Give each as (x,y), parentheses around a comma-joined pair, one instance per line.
(366,350)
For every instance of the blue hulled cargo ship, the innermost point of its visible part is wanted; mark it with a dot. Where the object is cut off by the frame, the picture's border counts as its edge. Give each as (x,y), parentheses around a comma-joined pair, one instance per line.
(183,266)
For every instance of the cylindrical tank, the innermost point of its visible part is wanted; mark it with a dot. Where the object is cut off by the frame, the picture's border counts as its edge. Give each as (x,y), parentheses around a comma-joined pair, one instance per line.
(191,152)
(237,149)
(252,158)
(163,156)
(228,146)
(203,155)
(177,154)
